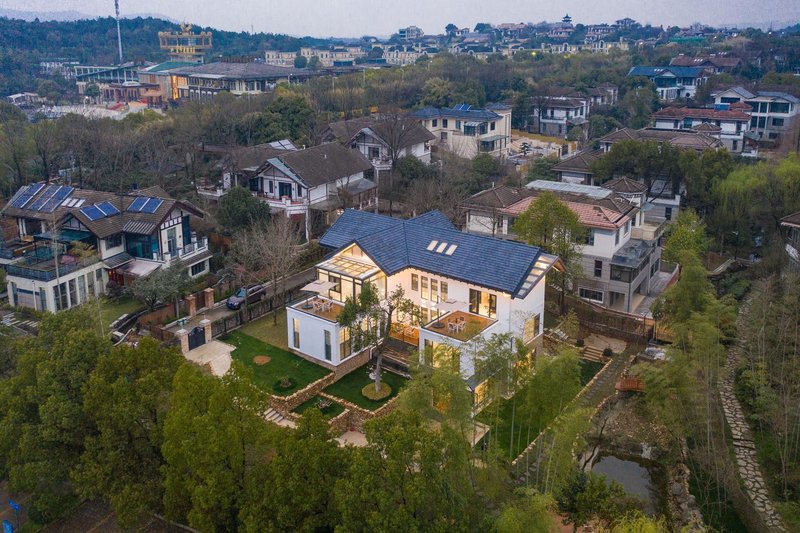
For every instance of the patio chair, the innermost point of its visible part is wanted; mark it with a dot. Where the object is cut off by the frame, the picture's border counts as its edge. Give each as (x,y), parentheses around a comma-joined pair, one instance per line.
(316,304)
(326,306)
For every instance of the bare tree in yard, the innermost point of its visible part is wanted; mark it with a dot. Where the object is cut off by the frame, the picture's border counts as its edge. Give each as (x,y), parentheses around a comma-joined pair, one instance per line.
(282,253)
(266,251)
(540,103)
(44,137)
(395,129)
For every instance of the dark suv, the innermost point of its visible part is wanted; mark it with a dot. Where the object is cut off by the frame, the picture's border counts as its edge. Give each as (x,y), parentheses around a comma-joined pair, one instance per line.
(254,293)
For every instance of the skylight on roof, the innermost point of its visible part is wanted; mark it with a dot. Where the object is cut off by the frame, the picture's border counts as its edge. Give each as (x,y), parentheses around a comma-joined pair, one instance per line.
(432,245)
(441,247)
(451,249)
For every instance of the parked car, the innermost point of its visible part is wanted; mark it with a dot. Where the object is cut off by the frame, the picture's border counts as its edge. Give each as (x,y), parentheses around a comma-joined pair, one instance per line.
(253,293)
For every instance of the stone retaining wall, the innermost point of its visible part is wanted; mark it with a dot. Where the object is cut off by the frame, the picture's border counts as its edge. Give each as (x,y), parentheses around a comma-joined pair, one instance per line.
(359,415)
(285,404)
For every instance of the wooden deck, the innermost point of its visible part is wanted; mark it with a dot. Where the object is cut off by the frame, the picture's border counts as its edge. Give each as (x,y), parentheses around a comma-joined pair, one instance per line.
(474,325)
(331,315)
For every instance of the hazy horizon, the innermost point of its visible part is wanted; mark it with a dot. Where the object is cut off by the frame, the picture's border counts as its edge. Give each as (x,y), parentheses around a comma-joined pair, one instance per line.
(348,18)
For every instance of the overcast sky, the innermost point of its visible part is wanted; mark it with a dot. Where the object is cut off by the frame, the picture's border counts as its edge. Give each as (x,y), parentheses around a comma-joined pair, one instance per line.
(347,18)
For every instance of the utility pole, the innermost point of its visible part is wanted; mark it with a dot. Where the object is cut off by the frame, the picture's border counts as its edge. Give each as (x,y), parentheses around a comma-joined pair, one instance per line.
(119,34)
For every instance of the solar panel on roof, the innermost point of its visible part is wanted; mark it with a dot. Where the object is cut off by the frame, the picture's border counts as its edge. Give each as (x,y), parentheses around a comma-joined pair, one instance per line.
(46,195)
(35,188)
(92,212)
(152,205)
(50,205)
(63,192)
(107,208)
(137,204)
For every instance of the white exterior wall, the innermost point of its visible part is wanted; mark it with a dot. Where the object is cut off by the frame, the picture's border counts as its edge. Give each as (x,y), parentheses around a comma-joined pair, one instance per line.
(511,316)
(35,286)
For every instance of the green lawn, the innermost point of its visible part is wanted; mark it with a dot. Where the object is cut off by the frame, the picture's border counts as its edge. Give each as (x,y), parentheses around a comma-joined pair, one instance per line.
(349,387)
(282,363)
(264,329)
(110,311)
(333,410)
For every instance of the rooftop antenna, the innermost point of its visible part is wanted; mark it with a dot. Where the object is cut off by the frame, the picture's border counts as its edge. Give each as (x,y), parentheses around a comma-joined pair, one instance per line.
(119,34)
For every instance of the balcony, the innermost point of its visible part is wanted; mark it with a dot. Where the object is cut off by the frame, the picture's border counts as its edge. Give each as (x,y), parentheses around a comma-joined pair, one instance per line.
(652,229)
(198,244)
(460,325)
(41,265)
(320,307)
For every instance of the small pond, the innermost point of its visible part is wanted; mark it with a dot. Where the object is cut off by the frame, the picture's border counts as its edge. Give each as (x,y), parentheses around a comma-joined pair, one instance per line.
(638,480)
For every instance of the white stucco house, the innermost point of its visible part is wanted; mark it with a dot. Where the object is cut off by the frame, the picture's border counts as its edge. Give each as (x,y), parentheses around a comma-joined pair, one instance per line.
(462,285)
(468,132)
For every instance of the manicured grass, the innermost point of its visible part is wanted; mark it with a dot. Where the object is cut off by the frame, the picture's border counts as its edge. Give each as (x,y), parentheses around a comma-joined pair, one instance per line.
(265,330)
(588,370)
(333,410)
(282,363)
(110,310)
(349,387)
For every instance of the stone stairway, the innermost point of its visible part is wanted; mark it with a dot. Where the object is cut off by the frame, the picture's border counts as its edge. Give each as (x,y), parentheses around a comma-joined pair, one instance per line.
(592,353)
(271,415)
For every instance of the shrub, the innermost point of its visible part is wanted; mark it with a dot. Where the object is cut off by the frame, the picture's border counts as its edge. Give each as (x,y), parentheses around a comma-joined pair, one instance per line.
(370,393)
(284,383)
(608,352)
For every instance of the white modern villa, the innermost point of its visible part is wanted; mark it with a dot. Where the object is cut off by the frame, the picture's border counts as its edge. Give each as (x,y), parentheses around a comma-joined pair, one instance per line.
(463,285)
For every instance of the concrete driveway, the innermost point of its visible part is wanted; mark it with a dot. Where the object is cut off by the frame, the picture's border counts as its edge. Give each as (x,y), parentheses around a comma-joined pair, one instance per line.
(216,354)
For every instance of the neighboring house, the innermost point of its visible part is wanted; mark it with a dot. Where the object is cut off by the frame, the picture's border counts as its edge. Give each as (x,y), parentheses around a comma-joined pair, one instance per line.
(490,285)
(328,57)
(410,33)
(322,178)
(467,131)
(686,139)
(716,63)
(204,82)
(673,82)
(577,168)
(604,94)
(377,138)
(791,234)
(773,112)
(620,254)
(726,122)
(128,236)
(556,115)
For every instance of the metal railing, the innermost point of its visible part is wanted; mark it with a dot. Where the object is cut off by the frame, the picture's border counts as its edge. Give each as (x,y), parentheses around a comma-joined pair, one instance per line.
(47,272)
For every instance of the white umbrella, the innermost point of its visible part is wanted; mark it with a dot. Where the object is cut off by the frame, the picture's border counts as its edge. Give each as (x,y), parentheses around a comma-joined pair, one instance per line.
(449,305)
(319,287)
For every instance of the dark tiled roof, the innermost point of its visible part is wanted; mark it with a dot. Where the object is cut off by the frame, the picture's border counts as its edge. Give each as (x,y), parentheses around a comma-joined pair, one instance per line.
(498,197)
(323,164)
(680,138)
(580,162)
(241,71)
(702,61)
(680,72)
(455,112)
(706,113)
(110,225)
(405,132)
(625,185)
(396,244)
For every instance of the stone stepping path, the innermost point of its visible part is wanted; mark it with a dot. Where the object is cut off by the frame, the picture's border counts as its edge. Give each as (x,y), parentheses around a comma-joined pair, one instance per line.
(744,448)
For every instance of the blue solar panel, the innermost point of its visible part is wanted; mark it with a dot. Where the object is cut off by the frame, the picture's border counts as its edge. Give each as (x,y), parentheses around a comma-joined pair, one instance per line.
(51,205)
(46,195)
(35,188)
(63,192)
(108,208)
(138,204)
(22,198)
(152,205)
(92,212)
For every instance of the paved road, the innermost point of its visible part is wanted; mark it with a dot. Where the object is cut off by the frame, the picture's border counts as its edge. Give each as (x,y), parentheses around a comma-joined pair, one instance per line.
(292,282)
